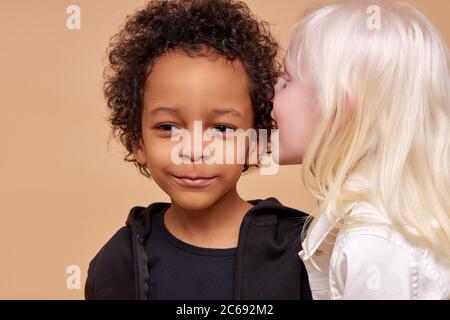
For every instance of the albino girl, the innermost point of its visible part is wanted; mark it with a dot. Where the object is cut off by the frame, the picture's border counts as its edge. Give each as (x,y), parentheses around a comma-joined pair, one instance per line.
(364,106)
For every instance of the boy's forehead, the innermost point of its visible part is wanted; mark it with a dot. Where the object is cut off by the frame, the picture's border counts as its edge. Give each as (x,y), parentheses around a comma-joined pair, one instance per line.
(183,61)
(178,74)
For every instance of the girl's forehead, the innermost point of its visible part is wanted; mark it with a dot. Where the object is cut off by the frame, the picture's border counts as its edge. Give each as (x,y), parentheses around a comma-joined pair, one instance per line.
(293,64)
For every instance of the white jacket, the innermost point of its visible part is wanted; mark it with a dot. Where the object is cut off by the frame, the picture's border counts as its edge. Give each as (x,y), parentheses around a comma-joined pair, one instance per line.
(374,262)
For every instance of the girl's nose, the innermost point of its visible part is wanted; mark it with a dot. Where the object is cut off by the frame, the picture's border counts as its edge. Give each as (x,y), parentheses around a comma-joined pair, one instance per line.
(272,115)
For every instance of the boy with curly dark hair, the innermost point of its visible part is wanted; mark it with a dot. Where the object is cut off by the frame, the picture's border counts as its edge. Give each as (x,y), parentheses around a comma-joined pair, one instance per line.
(174,66)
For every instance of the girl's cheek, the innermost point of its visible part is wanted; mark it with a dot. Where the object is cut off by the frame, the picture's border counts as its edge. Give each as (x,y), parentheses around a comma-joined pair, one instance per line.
(277,110)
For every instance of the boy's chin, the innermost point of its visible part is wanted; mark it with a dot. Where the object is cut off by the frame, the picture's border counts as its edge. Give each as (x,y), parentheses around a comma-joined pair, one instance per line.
(194,201)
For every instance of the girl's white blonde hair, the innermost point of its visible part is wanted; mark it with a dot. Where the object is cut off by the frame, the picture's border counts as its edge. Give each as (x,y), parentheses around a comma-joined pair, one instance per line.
(383,88)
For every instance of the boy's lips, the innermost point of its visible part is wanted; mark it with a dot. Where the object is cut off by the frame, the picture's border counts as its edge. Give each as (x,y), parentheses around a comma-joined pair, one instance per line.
(194,181)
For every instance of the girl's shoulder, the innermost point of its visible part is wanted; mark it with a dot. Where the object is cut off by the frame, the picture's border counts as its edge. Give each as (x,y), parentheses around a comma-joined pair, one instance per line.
(378,249)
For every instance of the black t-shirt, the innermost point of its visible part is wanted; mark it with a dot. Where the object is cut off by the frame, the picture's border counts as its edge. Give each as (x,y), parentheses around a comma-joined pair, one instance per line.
(186,272)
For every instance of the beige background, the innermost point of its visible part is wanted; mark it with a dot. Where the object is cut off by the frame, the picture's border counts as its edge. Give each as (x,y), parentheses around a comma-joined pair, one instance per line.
(63,192)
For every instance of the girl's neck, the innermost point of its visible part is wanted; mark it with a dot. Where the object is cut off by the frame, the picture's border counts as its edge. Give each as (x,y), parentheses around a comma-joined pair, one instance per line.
(214,227)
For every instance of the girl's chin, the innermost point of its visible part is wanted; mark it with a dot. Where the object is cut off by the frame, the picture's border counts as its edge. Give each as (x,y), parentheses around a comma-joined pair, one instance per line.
(289,159)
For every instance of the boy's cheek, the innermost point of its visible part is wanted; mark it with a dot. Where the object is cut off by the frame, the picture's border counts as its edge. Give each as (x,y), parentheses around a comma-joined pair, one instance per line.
(160,151)
(140,156)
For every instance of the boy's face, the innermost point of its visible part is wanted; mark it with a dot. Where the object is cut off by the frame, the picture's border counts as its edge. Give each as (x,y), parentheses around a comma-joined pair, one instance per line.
(180,90)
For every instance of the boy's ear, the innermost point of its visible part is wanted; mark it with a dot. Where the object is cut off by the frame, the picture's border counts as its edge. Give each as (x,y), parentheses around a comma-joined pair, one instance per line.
(139,153)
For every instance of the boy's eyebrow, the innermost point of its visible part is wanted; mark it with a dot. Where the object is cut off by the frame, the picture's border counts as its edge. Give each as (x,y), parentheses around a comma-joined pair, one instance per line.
(226,111)
(164,109)
(215,111)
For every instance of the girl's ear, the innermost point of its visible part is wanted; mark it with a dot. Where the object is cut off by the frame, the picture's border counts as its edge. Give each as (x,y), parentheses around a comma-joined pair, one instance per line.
(139,153)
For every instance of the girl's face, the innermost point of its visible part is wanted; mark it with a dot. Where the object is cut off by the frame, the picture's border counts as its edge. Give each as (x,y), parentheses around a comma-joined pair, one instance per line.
(296,113)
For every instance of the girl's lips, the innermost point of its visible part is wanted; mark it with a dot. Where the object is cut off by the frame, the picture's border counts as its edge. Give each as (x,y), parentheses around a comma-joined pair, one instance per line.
(194,182)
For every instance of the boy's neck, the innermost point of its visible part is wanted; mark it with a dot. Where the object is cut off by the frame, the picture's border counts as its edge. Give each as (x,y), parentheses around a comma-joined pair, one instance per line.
(214,227)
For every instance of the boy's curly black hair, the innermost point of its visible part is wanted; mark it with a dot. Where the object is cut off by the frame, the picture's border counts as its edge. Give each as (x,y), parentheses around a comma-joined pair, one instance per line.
(226,26)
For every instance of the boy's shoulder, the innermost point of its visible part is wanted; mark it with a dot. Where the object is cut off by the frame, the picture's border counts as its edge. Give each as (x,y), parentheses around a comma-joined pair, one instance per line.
(138,223)
(114,258)
(271,210)
(112,269)
(139,218)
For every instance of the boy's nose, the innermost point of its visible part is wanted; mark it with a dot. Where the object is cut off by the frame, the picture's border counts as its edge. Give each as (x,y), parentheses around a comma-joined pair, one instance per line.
(192,154)
(193,151)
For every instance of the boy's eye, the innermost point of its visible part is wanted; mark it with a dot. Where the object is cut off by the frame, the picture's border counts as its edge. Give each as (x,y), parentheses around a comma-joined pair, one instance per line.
(168,127)
(222,128)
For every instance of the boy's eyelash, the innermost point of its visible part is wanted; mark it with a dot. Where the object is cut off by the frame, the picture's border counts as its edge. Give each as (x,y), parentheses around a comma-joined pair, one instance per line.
(225,126)
(167,125)
(161,125)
